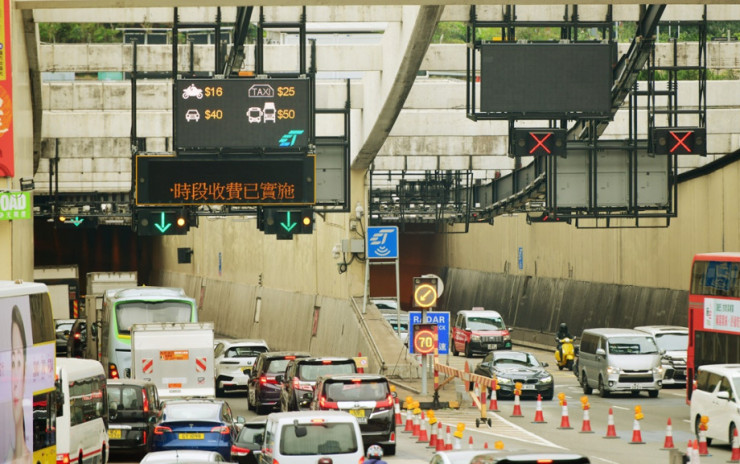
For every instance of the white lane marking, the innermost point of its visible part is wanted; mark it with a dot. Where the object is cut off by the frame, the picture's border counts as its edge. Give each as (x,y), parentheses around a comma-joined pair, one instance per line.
(501,428)
(605,460)
(622,407)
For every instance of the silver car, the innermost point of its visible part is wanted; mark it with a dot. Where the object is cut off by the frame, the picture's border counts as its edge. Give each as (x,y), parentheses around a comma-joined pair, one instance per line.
(673,341)
(233,361)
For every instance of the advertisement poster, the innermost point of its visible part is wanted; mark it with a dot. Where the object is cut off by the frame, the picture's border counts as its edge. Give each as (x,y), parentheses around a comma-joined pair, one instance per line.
(7,160)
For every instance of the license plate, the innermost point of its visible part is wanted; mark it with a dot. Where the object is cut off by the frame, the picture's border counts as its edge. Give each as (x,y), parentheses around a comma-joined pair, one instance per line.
(528,386)
(635,386)
(114,434)
(357,412)
(492,346)
(190,436)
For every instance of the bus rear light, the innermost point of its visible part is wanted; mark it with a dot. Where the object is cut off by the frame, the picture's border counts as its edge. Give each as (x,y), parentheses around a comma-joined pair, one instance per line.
(113,371)
(63,458)
(145,400)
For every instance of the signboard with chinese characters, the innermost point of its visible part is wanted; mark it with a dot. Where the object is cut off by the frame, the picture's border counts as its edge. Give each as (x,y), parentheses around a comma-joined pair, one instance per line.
(243,114)
(183,181)
(722,314)
(15,205)
(442,319)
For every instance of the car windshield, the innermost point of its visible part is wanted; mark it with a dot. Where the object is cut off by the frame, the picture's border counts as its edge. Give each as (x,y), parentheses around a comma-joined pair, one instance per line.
(141,312)
(310,372)
(318,439)
(244,351)
(632,345)
(375,390)
(672,341)
(192,411)
(521,359)
(485,323)
(252,433)
(276,366)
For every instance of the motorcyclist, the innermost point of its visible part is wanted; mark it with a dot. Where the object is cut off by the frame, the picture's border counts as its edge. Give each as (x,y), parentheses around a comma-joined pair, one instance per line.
(563,332)
(375,455)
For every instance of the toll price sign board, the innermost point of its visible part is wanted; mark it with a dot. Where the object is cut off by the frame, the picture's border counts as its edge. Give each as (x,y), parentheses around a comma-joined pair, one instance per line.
(441,319)
(243,114)
(184,181)
(425,338)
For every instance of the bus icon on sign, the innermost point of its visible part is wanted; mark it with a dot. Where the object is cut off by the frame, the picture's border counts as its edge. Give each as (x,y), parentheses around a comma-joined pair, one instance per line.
(261,91)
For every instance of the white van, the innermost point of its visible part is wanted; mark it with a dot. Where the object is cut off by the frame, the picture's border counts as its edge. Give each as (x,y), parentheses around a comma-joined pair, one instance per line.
(304,437)
(619,360)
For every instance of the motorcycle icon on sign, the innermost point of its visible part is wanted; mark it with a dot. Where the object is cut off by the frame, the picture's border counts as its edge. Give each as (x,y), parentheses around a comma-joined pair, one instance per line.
(192,91)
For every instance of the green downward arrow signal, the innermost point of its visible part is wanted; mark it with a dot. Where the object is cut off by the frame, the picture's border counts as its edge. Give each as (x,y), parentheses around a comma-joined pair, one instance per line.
(77,221)
(163,226)
(287,225)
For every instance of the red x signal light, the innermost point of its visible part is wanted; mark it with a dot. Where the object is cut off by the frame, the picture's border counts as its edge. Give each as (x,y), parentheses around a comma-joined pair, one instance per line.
(538,142)
(679,141)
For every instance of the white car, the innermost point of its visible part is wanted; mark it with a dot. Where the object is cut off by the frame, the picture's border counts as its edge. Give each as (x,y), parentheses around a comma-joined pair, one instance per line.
(716,396)
(673,341)
(233,362)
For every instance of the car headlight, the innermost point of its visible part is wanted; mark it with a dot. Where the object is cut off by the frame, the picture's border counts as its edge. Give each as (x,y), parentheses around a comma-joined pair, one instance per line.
(475,338)
(658,370)
(504,381)
(612,370)
(547,379)
(507,338)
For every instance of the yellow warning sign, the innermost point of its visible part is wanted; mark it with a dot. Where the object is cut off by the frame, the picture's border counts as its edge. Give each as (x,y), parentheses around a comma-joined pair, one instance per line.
(174,355)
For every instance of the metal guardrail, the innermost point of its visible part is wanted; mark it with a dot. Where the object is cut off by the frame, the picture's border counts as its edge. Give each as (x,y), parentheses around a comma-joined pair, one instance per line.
(368,334)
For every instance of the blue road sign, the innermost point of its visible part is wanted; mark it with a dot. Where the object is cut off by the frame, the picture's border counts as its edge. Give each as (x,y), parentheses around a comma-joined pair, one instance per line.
(382,242)
(441,318)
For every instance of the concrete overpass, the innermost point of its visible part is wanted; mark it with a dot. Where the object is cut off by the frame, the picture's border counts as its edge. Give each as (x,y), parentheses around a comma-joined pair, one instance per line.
(399,122)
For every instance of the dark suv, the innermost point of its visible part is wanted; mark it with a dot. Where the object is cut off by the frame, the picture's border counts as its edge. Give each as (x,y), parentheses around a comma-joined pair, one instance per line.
(300,378)
(263,389)
(134,410)
(365,396)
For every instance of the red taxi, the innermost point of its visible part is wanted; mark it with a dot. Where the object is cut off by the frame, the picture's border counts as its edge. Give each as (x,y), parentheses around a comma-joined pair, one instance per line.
(479,331)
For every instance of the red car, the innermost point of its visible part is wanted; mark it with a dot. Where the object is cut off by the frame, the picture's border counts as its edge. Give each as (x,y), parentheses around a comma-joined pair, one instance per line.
(479,331)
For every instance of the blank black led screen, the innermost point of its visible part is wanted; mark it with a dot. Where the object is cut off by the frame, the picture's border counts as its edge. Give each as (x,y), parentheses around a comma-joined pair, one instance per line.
(546,78)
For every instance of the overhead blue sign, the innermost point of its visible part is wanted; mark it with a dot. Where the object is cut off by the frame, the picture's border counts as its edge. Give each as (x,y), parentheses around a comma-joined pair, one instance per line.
(382,242)
(441,318)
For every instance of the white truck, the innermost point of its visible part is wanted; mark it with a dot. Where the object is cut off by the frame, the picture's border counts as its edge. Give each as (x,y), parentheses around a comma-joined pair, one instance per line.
(63,284)
(97,284)
(176,356)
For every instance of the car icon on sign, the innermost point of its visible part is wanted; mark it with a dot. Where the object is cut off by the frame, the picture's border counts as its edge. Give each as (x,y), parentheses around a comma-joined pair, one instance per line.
(254,114)
(192,115)
(192,91)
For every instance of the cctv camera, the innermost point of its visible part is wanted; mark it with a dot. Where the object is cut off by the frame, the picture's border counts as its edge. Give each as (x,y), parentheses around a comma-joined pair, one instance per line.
(359,210)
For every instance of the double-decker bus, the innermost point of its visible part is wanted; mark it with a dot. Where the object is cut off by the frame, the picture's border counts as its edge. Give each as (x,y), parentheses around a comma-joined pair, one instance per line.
(27,391)
(714,313)
(125,307)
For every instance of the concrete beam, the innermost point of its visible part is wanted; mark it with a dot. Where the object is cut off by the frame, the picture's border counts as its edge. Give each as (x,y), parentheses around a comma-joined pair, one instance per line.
(416,49)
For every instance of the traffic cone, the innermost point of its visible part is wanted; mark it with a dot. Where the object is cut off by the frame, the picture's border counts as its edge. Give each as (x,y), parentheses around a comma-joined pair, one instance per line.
(517,407)
(397,410)
(440,439)
(703,449)
(636,434)
(611,431)
(409,421)
(564,420)
(668,443)
(470,443)
(423,437)
(485,445)
(539,418)
(433,435)
(448,446)
(695,453)
(493,405)
(735,448)
(457,445)
(690,452)
(586,427)
(415,431)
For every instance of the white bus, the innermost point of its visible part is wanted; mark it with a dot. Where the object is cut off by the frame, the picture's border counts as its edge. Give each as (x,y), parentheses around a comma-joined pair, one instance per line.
(82,412)
(125,307)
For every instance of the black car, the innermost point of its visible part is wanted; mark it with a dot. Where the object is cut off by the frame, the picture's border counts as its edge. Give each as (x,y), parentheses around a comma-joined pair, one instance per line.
(263,389)
(77,340)
(248,445)
(300,378)
(134,409)
(510,367)
(367,397)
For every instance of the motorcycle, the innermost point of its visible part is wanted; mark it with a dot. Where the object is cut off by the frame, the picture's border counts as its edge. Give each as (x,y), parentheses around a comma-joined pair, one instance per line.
(569,354)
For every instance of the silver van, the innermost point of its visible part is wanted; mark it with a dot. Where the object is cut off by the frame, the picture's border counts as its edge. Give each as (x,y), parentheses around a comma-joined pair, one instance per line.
(619,360)
(304,437)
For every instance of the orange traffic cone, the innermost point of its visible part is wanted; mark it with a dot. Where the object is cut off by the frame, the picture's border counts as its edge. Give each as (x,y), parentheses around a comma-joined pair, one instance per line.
(448,445)
(586,427)
(415,431)
(703,449)
(433,435)
(668,443)
(440,439)
(517,407)
(695,452)
(564,420)
(470,442)
(636,434)
(539,418)
(611,431)
(423,437)
(397,410)
(493,405)
(485,445)
(690,452)
(735,448)
(409,422)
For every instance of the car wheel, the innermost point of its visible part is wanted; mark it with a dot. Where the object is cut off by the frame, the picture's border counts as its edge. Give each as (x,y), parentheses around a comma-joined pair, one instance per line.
(602,389)
(732,434)
(250,405)
(653,393)
(569,364)
(219,390)
(468,351)
(587,390)
(697,422)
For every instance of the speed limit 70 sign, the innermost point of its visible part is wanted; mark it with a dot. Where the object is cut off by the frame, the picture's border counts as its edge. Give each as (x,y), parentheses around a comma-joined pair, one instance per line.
(425,338)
